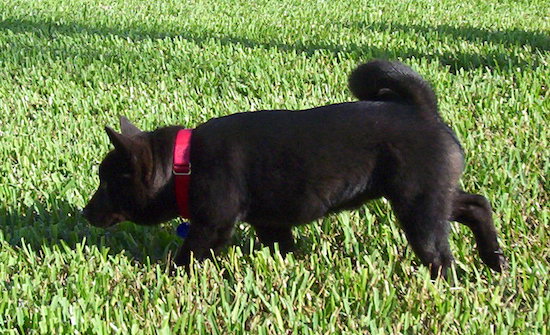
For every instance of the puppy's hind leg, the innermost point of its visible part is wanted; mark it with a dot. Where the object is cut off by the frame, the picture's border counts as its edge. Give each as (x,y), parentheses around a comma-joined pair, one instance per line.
(424,221)
(475,212)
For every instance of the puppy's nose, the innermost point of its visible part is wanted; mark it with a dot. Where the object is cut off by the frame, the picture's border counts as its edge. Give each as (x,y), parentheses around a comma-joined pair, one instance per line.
(85,212)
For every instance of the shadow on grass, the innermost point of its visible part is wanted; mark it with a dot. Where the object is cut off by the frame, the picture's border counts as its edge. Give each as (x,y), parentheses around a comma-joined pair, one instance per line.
(509,37)
(361,52)
(62,223)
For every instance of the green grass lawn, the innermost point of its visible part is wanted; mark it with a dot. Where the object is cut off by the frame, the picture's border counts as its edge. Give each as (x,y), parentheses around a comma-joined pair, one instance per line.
(68,68)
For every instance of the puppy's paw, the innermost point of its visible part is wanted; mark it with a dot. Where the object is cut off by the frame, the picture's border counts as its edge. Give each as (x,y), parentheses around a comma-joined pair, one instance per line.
(495,260)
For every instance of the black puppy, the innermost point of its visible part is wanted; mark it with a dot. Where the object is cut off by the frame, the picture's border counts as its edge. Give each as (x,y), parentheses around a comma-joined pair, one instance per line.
(277,169)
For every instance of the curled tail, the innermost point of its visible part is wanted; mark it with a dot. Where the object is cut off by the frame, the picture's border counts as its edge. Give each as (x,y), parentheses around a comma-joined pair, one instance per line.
(373,80)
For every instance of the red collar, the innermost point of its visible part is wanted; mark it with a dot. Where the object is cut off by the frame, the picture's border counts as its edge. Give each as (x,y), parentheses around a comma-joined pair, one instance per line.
(182,170)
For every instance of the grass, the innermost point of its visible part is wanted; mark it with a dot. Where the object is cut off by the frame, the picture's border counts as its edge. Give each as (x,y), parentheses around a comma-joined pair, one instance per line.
(67,68)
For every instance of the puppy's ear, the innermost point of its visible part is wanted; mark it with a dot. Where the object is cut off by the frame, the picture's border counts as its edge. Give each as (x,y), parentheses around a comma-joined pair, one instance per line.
(127,128)
(135,150)
(122,143)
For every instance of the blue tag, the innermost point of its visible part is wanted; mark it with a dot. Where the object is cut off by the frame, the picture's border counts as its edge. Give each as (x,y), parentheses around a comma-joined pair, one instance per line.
(183,229)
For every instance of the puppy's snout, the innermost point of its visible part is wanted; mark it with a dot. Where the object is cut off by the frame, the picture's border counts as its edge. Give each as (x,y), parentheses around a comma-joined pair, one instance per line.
(86,212)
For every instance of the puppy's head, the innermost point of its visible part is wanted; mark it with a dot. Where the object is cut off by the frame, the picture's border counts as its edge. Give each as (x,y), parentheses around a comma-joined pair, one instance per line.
(125,176)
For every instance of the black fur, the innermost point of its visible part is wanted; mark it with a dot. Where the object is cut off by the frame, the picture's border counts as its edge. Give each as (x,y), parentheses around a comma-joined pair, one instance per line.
(278,169)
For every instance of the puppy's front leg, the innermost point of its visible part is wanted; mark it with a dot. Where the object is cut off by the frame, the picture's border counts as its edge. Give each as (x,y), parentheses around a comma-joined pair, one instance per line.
(271,235)
(202,238)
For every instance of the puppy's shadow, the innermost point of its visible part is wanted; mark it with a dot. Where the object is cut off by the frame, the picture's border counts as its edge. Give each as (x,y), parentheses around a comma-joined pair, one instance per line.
(61,224)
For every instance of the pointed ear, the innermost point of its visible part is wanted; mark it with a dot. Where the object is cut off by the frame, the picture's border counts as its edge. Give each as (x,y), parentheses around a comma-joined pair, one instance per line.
(127,128)
(122,143)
